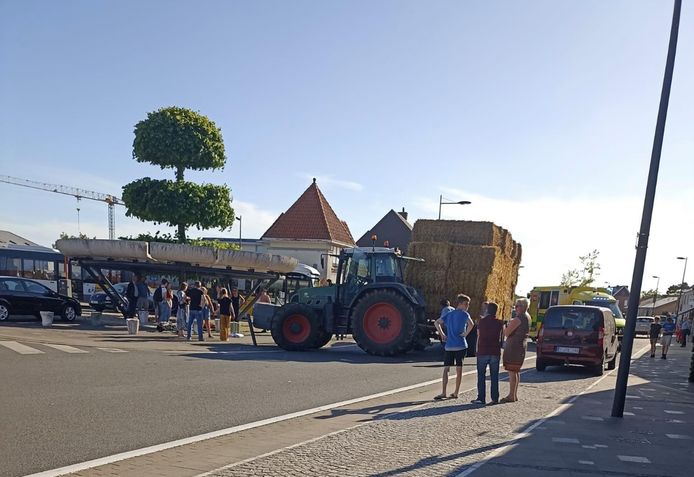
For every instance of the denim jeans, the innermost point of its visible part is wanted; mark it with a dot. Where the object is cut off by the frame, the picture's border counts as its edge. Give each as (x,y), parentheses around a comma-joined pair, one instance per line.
(164,312)
(482,362)
(195,315)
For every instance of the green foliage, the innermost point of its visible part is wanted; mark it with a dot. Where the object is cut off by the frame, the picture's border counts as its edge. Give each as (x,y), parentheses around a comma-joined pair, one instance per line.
(179,138)
(161,201)
(675,289)
(586,274)
(168,238)
(64,235)
(648,294)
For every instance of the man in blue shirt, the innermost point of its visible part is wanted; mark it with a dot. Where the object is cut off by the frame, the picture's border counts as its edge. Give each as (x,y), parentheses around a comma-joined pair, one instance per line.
(668,331)
(458,324)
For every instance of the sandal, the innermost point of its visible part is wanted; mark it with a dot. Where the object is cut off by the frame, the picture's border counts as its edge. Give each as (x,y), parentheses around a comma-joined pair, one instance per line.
(453,396)
(440,397)
(505,400)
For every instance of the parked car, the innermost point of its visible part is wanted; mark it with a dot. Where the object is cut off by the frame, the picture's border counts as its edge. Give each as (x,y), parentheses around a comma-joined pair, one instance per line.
(643,325)
(100,301)
(577,334)
(21,296)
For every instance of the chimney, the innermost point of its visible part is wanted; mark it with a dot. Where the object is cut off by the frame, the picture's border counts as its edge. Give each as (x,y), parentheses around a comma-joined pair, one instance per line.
(403,214)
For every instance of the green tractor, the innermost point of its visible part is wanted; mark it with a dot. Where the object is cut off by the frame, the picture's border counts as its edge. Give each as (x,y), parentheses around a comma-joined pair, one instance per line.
(369,301)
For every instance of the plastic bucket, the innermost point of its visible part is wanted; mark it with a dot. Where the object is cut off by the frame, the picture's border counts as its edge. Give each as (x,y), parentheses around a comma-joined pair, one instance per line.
(144,316)
(217,324)
(46,318)
(133,326)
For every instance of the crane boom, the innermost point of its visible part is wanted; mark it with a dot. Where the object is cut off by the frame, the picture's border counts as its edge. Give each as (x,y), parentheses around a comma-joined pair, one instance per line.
(111,200)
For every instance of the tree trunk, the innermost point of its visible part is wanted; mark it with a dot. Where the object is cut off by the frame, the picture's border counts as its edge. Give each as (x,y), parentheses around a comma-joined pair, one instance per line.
(179,173)
(181,233)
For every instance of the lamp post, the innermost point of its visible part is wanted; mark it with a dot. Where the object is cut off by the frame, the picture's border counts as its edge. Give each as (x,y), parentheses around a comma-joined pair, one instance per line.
(655,297)
(441,202)
(684,272)
(240,224)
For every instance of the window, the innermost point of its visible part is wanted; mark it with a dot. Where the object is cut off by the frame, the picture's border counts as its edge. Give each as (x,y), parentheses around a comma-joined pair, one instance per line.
(10,266)
(572,319)
(36,289)
(28,268)
(544,300)
(11,285)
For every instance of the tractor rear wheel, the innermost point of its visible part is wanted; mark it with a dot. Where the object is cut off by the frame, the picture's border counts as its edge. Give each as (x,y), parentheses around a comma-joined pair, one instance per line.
(295,327)
(384,323)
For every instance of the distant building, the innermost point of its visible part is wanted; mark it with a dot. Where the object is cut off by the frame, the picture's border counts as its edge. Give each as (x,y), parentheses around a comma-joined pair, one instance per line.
(308,229)
(393,230)
(661,306)
(621,293)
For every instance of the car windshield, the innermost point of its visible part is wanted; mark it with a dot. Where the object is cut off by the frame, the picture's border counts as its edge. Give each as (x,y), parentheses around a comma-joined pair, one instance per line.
(612,306)
(572,319)
(645,320)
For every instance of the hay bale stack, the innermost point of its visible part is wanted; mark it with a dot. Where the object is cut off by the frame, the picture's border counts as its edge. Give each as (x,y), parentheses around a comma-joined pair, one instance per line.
(479,259)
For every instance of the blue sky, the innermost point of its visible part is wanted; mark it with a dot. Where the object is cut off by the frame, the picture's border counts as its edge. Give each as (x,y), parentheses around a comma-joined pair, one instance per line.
(540,112)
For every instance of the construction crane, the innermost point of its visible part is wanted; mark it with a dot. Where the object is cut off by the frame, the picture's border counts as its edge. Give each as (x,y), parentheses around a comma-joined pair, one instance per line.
(111,200)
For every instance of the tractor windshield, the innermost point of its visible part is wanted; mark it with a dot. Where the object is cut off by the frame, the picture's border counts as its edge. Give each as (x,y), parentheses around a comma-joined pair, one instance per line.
(387,269)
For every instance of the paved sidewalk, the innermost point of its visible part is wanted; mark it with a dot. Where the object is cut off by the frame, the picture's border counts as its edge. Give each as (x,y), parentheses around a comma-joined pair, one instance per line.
(515,439)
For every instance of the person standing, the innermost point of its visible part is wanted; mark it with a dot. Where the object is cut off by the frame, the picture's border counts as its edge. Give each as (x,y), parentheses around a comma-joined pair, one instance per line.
(183,310)
(264,297)
(458,324)
(207,309)
(686,328)
(196,298)
(131,295)
(237,302)
(142,300)
(226,310)
(158,299)
(654,334)
(516,334)
(166,304)
(489,338)
(668,331)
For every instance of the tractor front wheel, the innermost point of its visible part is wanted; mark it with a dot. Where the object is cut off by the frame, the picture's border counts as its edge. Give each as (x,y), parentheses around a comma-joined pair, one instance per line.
(295,327)
(384,323)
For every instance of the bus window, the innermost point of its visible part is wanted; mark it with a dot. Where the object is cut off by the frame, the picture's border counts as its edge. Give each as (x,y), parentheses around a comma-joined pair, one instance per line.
(544,300)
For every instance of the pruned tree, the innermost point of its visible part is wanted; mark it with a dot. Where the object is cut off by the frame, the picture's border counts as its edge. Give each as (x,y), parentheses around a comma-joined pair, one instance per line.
(179,139)
(675,289)
(586,274)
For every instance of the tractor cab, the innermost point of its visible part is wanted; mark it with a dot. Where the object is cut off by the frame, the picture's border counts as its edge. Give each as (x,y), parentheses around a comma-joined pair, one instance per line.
(361,267)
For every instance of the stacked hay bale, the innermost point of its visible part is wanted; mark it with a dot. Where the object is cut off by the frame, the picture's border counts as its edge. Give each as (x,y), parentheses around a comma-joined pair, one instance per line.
(479,259)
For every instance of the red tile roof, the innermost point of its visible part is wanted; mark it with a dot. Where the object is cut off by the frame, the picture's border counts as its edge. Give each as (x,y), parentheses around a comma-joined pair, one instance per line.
(310,218)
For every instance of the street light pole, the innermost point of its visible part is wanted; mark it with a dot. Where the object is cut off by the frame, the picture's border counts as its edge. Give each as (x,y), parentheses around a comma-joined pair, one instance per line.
(441,202)
(620,393)
(684,272)
(240,224)
(655,297)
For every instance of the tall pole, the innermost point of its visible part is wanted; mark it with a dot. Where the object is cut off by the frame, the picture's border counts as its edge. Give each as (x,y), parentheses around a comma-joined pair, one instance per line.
(655,296)
(440,202)
(642,242)
(684,272)
(240,224)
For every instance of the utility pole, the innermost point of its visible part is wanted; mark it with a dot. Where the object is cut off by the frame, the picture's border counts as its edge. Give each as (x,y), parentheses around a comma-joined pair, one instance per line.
(642,240)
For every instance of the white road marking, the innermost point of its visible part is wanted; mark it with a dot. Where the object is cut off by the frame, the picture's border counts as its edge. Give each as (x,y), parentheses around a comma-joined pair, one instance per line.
(65,348)
(667,411)
(678,436)
(565,440)
(586,462)
(592,418)
(20,348)
(633,458)
(601,446)
(112,350)
(232,430)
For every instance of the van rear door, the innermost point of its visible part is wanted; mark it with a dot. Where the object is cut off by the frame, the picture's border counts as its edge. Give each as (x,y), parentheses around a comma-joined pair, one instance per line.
(572,330)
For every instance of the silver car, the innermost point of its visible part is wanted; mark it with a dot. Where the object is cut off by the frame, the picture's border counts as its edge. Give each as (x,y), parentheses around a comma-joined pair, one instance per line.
(643,325)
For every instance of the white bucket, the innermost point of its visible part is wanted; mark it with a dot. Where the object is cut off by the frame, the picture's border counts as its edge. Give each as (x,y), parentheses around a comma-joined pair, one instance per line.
(217,324)
(46,318)
(133,326)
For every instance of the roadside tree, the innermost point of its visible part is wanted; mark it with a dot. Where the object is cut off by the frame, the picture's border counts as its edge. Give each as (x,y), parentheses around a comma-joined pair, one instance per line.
(179,139)
(586,274)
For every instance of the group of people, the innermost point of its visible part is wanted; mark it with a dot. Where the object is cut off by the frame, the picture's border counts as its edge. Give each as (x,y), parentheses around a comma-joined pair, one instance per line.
(191,305)
(492,337)
(668,329)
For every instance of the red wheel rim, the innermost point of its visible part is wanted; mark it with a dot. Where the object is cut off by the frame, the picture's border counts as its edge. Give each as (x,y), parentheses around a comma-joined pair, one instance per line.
(296,328)
(382,323)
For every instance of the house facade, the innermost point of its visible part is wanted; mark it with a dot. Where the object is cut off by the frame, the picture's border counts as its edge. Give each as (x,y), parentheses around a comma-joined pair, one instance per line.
(393,230)
(661,306)
(621,294)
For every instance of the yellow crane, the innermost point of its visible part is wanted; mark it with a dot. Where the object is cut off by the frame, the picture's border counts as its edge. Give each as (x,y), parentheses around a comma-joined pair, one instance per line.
(111,200)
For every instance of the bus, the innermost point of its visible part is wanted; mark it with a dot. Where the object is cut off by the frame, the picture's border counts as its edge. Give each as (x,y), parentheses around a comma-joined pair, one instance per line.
(42,264)
(541,298)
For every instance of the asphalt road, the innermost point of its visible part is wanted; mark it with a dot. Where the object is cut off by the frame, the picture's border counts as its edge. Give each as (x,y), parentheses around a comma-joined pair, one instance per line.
(62,408)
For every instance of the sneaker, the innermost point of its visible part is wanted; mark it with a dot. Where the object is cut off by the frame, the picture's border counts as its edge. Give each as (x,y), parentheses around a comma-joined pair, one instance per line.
(239,335)
(652,356)
(492,403)
(663,357)
(477,401)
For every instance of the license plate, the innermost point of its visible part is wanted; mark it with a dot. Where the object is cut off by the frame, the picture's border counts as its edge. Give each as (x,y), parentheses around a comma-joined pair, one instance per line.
(563,349)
